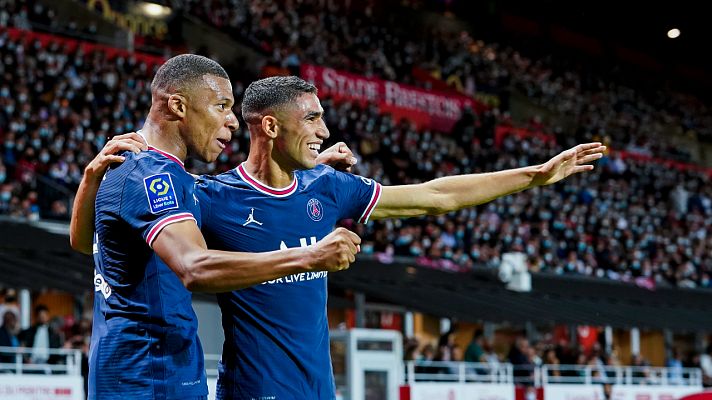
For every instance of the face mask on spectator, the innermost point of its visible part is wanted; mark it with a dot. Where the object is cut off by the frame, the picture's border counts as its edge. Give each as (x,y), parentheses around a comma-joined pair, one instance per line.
(44,157)
(3,176)
(9,109)
(4,92)
(9,145)
(5,196)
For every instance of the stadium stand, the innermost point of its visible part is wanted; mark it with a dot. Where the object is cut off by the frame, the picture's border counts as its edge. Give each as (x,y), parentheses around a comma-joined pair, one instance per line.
(642,218)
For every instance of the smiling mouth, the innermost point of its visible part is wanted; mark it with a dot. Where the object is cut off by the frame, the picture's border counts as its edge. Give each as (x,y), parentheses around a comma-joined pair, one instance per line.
(314,147)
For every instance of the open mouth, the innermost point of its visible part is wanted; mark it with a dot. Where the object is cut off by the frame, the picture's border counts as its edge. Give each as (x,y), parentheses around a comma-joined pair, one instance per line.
(223,142)
(314,147)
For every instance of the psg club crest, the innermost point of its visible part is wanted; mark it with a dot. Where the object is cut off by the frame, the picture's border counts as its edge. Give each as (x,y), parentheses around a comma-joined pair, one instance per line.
(315,210)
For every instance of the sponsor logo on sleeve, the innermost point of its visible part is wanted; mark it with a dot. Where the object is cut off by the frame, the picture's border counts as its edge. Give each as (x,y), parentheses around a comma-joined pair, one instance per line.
(160,193)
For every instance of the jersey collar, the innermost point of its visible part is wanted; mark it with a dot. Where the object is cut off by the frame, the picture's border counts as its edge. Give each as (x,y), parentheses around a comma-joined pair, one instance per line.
(164,153)
(167,155)
(268,190)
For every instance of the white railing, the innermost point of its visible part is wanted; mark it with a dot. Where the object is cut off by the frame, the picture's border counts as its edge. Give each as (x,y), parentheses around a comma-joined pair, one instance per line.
(18,360)
(444,371)
(463,372)
(621,375)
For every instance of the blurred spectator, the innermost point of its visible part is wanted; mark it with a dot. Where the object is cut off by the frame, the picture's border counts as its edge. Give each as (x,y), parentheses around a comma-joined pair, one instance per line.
(474,351)
(706,366)
(41,337)
(674,365)
(8,335)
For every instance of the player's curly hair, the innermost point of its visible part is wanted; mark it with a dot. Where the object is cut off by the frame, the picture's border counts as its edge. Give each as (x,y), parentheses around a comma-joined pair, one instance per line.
(183,71)
(269,93)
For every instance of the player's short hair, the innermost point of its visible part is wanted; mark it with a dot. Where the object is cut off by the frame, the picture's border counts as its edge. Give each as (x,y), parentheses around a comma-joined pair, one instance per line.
(273,92)
(183,71)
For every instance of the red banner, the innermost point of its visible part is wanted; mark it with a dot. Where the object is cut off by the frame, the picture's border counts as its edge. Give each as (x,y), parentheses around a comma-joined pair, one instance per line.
(70,45)
(430,109)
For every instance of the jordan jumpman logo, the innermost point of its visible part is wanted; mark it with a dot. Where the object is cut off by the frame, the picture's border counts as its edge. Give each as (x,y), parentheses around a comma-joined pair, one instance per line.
(251,218)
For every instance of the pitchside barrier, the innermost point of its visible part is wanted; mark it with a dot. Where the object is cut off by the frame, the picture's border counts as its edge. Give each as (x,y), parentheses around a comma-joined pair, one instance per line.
(362,362)
(22,378)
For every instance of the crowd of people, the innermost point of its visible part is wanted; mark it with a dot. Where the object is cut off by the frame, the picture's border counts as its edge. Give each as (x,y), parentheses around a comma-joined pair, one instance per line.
(372,40)
(629,220)
(565,361)
(42,339)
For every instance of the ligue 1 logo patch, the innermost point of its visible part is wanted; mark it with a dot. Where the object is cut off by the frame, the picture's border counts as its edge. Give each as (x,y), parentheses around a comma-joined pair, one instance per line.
(315,210)
(160,192)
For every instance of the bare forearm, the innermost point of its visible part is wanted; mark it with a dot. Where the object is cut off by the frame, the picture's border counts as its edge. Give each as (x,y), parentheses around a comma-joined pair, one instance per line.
(456,192)
(81,228)
(221,271)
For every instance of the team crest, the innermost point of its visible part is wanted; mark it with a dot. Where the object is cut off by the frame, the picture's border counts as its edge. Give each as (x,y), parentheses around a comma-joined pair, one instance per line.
(315,210)
(160,192)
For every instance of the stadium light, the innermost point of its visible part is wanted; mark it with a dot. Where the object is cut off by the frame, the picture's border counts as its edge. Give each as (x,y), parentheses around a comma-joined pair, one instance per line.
(673,33)
(154,10)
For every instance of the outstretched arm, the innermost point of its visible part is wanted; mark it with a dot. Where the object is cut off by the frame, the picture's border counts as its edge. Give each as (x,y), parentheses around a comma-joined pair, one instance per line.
(451,193)
(81,227)
(182,247)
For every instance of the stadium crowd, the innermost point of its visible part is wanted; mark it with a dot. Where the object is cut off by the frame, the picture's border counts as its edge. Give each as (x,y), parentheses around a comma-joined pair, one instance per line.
(630,220)
(372,40)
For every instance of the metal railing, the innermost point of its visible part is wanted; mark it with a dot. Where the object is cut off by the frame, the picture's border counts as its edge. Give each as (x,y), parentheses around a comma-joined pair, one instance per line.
(444,371)
(464,372)
(18,360)
(620,375)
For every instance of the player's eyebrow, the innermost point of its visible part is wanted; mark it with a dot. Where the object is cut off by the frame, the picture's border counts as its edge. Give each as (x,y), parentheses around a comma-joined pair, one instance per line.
(313,114)
(224,98)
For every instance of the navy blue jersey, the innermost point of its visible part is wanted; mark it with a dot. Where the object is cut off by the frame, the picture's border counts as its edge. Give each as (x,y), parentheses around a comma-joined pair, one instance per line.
(144,342)
(277,333)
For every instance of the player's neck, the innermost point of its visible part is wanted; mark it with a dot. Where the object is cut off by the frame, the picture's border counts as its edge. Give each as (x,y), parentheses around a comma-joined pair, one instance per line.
(268,171)
(164,136)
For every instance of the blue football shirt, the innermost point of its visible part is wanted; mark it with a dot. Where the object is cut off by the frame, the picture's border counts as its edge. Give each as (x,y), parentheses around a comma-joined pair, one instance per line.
(144,342)
(277,333)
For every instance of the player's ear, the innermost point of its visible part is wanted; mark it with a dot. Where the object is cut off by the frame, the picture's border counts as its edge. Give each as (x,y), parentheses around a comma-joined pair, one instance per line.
(177,105)
(270,126)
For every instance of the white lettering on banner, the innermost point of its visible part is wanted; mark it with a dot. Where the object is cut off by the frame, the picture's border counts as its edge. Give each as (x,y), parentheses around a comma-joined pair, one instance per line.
(37,387)
(438,110)
(304,276)
(399,96)
(638,392)
(345,86)
(461,391)
(620,392)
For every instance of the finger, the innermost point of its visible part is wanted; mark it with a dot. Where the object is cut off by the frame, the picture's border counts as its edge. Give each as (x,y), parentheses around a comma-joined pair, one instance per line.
(117,147)
(582,168)
(343,148)
(132,137)
(355,239)
(352,248)
(113,159)
(358,248)
(587,146)
(590,158)
(597,150)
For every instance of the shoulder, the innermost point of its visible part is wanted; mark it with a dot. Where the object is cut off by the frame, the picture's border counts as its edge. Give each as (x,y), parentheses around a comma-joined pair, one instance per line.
(319,173)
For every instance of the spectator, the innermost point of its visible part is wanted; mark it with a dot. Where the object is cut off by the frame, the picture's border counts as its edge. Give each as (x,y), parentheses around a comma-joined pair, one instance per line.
(474,351)
(674,365)
(706,366)
(8,336)
(41,338)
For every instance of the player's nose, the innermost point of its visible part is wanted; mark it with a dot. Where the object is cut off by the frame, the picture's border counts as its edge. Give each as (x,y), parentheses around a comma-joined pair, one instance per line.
(322,131)
(231,122)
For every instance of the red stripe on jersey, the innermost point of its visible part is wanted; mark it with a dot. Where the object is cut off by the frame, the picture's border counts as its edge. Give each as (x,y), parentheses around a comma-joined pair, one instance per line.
(263,188)
(153,233)
(372,204)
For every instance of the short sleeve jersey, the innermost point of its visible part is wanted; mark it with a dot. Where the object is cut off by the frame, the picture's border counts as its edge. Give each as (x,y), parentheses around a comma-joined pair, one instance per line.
(145,335)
